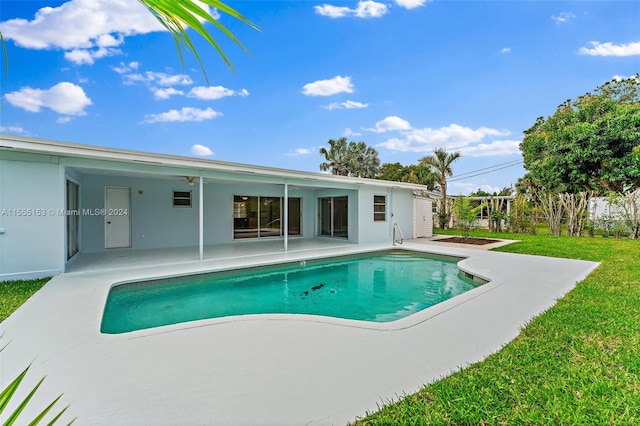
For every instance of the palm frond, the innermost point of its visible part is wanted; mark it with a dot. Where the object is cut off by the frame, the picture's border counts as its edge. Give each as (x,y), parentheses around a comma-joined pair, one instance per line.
(179,15)
(4,55)
(8,392)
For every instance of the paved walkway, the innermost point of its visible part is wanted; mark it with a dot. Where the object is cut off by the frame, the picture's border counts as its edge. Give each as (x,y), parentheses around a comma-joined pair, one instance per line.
(266,370)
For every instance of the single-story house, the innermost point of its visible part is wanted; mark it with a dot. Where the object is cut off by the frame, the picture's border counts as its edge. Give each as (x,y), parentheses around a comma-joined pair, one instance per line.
(59,200)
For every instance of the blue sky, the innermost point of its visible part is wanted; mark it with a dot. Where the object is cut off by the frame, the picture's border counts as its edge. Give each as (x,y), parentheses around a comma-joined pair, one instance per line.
(405,76)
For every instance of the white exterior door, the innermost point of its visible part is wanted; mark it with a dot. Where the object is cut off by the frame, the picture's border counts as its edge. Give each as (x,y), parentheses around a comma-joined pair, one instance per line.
(422,220)
(117,218)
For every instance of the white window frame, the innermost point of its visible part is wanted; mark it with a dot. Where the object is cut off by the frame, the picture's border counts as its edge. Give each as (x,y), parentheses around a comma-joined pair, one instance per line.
(377,215)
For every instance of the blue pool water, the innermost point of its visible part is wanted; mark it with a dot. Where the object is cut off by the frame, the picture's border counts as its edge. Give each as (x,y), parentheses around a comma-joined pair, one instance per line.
(378,287)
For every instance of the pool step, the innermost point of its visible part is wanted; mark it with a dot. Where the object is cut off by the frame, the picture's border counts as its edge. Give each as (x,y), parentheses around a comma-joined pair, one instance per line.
(401,253)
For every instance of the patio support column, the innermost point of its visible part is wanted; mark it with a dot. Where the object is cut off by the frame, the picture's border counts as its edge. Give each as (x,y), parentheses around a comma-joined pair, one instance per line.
(285,223)
(201,217)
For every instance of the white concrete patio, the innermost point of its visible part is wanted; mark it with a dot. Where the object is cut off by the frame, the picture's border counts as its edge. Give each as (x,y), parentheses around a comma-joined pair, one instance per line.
(263,370)
(213,254)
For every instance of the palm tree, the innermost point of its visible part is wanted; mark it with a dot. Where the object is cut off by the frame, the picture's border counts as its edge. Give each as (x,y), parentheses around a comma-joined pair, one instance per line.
(441,162)
(420,174)
(370,165)
(350,159)
(336,157)
(363,160)
(178,15)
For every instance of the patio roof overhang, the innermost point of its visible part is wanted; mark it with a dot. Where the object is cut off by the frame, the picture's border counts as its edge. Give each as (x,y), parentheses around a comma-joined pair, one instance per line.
(103,160)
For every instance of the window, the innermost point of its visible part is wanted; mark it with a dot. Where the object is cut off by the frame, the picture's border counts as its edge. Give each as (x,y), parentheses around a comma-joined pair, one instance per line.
(181,198)
(379,208)
(258,217)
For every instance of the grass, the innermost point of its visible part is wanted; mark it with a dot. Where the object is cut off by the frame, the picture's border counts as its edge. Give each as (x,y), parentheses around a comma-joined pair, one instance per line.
(15,293)
(578,363)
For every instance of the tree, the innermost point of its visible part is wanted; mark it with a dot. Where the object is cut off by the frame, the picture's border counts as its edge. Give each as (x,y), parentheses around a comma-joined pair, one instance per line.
(350,159)
(178,15)
(441,162)
(413,173)
(522,215)
(467,214)
(392,171)
(588,143)
(336,157)
(420,174)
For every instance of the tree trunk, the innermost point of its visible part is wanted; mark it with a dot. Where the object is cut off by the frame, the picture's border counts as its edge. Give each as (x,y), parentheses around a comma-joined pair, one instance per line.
(575,206)
(445,213)
(552,210)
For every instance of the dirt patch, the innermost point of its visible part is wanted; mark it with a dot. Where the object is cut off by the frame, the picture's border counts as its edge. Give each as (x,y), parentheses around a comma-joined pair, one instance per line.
(473,241)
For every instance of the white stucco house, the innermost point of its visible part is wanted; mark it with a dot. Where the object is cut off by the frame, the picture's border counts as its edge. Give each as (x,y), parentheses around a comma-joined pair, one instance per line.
(59,200)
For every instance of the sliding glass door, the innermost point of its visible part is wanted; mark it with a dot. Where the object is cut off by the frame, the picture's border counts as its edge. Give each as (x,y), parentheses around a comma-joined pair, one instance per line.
(295,216)
(270,217)
(259,217)
(73,219)
(334,216)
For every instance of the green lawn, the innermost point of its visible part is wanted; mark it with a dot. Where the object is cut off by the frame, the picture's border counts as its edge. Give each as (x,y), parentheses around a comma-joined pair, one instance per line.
(576,364)
(15,293)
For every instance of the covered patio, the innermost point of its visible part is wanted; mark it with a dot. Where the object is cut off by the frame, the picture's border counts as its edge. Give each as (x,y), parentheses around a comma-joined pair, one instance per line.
(214,255)
(84,202)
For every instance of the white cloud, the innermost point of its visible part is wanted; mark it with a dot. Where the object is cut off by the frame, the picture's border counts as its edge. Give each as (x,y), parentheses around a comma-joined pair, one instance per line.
(63,98)
(466,188)
(161,84)
(79,26)
(215,92)
(610,49)
(452,136)
(165,93)
(157,78)
(164,79)
(345,105)
(333,86)
(333,11)
(370,9)
(83,56)
(126,68)
(184,114)
(505,50)
(299,151)
(107,40)
(63,120)
(495,148)
(349,132)
(13,129)
(411,4)
(364,9)
(79,56)
(391,123)
(562,17)
(201,150)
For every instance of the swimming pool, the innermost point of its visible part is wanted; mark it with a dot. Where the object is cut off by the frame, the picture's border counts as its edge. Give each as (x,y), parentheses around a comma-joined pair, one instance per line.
(376,287)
